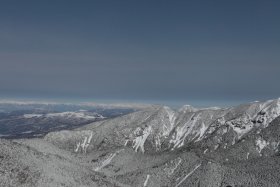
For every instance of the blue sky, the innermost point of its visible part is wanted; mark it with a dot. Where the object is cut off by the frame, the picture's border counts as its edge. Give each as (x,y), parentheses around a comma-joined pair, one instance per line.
(140,51)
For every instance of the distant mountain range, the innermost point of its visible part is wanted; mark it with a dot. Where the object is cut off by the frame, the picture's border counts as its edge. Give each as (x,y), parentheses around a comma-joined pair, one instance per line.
(15,105)
(152,147)
(33,119)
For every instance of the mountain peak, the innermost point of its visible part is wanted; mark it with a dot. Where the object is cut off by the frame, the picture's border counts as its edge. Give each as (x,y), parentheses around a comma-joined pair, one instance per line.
(187,108)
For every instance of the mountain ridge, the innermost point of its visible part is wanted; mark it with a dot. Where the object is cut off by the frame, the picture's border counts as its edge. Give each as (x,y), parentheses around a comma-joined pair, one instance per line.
(158,146)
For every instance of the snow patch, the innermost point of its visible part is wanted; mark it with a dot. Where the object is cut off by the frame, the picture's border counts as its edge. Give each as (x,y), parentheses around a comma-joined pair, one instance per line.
(205,151)
(171,117)
(261,144)
(187,108)
(182,132)
(202,131)
(73,115)
(189,174)
(140,140)
(239,126)
(108,160)
(84,145)
(125,143)
(26,132)
(78,147)
(147,180)
(275,146)
(105,162)
(28,116)
(158,143)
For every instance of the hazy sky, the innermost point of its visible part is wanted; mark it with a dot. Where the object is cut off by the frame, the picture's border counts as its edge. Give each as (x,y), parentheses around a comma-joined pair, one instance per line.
(156,51)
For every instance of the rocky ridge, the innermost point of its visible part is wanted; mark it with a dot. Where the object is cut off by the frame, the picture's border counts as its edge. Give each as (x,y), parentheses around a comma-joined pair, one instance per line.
(236,146)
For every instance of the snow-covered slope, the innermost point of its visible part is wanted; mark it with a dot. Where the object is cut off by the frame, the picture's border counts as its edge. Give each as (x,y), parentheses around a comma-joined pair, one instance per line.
(158,146)
(161,128)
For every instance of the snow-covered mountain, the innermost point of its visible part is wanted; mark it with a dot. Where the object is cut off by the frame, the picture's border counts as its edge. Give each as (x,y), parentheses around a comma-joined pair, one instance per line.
(158,146)
(165,129)
(79,114)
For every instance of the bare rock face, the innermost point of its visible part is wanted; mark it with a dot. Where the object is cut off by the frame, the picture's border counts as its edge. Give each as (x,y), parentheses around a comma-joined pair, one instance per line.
(237,146)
